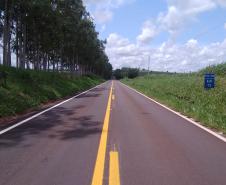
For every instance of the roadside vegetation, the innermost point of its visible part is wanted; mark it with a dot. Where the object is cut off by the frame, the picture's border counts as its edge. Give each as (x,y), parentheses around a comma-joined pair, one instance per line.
(51,49)
(25,89)
(185,93)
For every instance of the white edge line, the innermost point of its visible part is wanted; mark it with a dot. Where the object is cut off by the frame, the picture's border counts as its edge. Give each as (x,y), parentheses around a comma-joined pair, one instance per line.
(40,113)
(179,114)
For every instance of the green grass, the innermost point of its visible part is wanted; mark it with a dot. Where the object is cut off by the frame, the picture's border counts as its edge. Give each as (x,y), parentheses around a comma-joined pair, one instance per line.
(185,93)
(28,89)
(219,69)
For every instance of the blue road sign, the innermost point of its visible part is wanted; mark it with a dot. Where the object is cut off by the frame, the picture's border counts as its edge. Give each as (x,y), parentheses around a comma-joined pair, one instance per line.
(209,81)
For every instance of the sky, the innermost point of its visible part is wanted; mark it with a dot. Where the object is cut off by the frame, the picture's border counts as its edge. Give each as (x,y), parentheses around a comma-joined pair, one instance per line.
(166,35)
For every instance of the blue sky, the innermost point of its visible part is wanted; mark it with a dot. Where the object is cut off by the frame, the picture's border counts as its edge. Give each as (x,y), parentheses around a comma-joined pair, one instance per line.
(176,35)
(129,18)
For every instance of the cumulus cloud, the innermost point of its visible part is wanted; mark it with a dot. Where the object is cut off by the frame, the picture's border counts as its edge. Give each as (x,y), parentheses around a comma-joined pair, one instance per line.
(149,31)
(169,56)
(190,56)
(179,13)
(103,10)
(123,53)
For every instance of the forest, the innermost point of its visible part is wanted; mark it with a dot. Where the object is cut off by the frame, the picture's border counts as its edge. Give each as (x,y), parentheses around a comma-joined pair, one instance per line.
(51,35)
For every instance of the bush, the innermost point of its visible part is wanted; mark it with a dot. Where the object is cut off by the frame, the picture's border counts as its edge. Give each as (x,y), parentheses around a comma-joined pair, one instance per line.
(118,74)
(126,72)
(219,69)
(133,73)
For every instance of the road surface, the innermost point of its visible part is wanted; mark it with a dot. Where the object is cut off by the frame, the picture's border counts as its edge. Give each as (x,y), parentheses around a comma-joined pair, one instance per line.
(111,135)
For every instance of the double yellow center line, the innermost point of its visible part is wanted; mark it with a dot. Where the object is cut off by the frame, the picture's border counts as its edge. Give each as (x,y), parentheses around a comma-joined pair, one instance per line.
(100,161)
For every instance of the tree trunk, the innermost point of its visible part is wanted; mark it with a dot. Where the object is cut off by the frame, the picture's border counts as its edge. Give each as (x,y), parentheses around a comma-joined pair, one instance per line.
(44,61)
(7,35)
(47,57)
(57,66)
(24,44)
(20,43)
(54,66)
(17,44)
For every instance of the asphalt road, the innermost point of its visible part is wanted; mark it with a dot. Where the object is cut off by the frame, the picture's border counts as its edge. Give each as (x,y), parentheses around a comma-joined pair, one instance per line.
(111,135)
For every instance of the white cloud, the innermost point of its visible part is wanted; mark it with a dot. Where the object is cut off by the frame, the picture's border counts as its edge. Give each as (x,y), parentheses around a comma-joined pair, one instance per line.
(102,16)
(149,31)
(193,7)
(115,40)
(103,10)
(190,56)
(169,56)
(180,13)
(192,43)
(122,52)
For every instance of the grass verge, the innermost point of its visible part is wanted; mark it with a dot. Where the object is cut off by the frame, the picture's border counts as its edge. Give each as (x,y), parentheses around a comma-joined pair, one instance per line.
(185,93)
(26,89)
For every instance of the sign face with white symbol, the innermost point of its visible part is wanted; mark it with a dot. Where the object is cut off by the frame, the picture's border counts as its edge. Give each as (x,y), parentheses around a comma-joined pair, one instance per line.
(209,81)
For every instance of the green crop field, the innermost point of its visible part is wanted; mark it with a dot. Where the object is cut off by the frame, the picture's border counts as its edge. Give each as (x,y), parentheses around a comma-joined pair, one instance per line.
(26,89)
(185,93)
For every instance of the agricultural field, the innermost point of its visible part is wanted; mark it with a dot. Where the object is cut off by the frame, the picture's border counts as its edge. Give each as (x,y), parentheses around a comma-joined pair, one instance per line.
(185,93)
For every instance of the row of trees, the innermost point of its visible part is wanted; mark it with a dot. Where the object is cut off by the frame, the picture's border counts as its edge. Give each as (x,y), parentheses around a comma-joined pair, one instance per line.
(126,72)
(56,35)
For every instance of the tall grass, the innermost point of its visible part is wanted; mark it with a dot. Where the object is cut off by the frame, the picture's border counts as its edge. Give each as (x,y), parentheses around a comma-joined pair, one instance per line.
(185,93)
(219,69)
(25,89)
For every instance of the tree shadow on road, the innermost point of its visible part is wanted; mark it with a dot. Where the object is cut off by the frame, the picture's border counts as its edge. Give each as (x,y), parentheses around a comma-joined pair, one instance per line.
(60,123)
(94,93)
(83,127)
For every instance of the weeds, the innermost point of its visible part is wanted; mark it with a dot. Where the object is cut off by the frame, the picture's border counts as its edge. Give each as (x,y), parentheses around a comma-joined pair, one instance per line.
(27,89)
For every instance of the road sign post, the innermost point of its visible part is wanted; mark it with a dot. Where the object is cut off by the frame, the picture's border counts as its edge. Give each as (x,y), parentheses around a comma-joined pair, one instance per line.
(209,81)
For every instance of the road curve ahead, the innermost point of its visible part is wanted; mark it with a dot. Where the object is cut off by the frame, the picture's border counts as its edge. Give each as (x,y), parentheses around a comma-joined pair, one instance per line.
(111,135)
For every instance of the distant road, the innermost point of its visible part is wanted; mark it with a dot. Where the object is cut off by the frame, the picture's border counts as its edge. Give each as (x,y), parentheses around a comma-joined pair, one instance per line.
(111,135)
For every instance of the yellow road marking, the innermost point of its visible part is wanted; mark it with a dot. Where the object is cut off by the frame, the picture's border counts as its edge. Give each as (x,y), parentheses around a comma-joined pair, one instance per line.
(114,175)
(100,161)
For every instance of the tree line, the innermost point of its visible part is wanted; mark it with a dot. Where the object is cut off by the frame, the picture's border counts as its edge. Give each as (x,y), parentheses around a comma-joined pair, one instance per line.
(52,35)
(126,72)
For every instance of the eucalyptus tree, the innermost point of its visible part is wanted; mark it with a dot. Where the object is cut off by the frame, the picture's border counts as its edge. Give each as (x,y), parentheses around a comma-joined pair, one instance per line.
(52,35)
(7,7)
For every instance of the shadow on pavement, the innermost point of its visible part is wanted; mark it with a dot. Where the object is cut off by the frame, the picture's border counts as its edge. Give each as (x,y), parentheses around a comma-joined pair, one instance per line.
(60,123)
(84,127)
(94,93)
